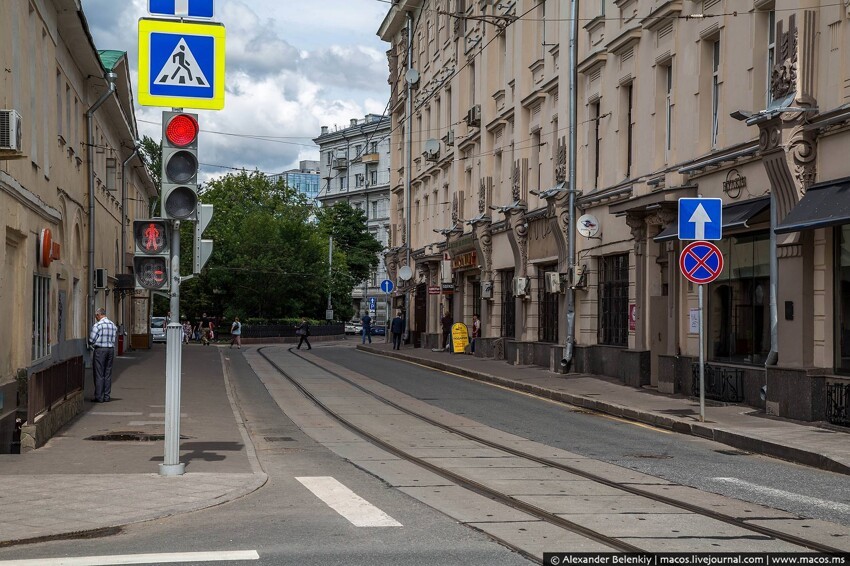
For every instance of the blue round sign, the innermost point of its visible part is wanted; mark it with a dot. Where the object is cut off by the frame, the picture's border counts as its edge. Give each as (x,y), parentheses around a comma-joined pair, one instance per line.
(387,286)
(701,262)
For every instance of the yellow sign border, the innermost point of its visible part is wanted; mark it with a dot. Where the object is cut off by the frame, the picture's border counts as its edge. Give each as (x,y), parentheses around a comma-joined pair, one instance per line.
(153,25)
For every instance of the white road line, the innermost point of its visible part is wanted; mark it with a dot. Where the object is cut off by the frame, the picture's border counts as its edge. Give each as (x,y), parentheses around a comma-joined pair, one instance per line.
(164,558)
(145,423)
(115,414)
(755,488)
(357,510)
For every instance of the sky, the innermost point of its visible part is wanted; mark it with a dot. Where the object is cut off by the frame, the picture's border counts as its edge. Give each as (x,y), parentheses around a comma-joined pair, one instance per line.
(293,66)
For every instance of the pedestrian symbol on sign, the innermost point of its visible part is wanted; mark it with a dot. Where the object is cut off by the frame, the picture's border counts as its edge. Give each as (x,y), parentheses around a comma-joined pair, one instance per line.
(181,68)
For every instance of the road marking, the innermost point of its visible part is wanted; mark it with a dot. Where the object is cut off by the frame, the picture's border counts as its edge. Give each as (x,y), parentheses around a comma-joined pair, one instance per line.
(752,487)
(116,414)
(145,423)
(357,510)
(164,558)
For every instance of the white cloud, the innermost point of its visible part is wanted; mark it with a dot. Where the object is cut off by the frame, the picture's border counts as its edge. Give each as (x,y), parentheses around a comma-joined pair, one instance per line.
(292,67)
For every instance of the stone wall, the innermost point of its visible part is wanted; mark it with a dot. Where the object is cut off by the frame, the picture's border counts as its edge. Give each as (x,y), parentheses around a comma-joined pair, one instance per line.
(34,435)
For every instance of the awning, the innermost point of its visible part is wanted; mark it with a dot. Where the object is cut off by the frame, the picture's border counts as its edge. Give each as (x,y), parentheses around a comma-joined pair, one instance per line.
(825,204)
(736,215)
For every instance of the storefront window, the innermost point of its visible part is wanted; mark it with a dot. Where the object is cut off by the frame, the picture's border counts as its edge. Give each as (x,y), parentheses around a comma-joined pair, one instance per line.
(842,290)
(739,301)
(508,305)
(548,305)
(614,300)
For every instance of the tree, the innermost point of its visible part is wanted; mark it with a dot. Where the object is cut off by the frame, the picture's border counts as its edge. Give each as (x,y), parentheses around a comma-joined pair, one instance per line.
(351,235)
(151,153)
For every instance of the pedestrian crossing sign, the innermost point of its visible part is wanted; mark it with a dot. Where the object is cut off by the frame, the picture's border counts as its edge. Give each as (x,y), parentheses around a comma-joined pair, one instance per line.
(181,64)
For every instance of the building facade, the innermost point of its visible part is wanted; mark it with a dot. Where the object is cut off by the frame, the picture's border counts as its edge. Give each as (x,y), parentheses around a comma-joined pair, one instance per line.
(306,179)
(747,104)
(70,185)
(355,164)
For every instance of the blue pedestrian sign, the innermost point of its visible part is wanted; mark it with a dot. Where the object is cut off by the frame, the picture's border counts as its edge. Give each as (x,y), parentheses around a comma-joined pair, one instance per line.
(387,286)
(700,219)
(181,64)
(182,8)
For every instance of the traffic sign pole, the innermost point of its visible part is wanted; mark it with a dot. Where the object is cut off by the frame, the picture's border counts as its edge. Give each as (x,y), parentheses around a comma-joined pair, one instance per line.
(171,465)
(701,356)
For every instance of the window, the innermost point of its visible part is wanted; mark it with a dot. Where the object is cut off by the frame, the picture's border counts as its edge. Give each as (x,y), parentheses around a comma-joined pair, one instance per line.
(342,184)
(373,147)
(508,305)
(594,116)
(373,177)
(548,305)
(739,301)
(771,52)
(614,300)
(715,92)
(40,317)
(842,300)
(375,209)
(629,128)
(59,116)
(358,180)
(330,157)
(668,112)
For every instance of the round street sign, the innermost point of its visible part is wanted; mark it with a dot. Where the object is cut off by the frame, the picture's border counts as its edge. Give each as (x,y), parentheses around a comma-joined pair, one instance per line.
(387,286)
(701,262)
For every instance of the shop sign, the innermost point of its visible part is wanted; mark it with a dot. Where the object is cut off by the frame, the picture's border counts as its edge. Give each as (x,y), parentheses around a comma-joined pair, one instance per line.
(460,337)
(433,290)
(734,184)
(465,242)
(467,260)
(447,288)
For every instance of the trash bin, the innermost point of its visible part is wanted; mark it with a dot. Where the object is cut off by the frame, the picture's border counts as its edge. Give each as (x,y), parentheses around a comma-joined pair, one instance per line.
(120,344)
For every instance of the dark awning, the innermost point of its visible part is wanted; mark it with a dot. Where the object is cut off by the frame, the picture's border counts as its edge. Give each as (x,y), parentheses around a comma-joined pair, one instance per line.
(825,204)
(736,215)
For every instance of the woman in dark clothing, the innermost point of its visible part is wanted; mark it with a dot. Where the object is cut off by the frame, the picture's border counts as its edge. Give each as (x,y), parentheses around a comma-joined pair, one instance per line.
(303,331)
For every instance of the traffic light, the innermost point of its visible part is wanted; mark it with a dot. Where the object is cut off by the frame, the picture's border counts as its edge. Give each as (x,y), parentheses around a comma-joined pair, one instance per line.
(153,254)
(179,166)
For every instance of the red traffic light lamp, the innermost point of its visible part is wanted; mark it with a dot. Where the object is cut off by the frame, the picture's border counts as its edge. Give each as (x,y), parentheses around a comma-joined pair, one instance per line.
(179,165)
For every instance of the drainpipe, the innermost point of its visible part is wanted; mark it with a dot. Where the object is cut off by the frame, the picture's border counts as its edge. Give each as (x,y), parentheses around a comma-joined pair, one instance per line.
(122,259)
(773,355)
(110,82)
(567,361)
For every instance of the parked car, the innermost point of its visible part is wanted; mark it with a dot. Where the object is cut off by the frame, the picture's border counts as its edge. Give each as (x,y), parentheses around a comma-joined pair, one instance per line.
(379,330)
(353,327)
(158,325)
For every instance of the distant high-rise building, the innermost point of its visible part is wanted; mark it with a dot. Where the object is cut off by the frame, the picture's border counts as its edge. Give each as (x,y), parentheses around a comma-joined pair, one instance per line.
(305,179)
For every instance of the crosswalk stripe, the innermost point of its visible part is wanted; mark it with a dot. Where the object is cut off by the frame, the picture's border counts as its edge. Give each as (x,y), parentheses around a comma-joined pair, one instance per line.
(118,559)
(354,508)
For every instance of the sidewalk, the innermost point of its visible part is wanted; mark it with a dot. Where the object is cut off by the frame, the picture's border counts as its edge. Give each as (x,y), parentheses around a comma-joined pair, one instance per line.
(738,426)
(75,483)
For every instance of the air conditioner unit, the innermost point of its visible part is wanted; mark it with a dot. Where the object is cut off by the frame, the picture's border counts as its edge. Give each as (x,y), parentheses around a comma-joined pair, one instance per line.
(473,117)
(11,132)
(100,278)
(487,290)
(521,286)
(449,138)
(553,282)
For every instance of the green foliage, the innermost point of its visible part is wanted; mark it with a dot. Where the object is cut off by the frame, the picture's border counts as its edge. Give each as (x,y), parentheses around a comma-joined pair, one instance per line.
(351,236)
(151,153)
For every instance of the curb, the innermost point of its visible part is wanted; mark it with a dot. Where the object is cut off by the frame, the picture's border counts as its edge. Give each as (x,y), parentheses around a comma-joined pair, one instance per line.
(702,430)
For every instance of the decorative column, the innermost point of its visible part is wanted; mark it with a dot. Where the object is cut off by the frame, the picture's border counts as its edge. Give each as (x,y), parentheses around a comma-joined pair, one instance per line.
(637,224)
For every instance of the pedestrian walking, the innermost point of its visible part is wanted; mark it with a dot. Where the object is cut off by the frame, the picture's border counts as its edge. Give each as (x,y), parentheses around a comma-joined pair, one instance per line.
(397,327)
(236,333)
(447,322)
(367,327)
(204,329)
(476,330)
(187,331)
(102,342)
(303,330)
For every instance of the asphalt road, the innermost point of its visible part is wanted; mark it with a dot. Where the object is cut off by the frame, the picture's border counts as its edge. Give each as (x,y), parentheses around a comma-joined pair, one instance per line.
(683,459)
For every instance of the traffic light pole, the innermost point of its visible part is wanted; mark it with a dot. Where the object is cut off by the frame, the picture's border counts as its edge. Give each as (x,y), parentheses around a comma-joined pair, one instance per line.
(171,465)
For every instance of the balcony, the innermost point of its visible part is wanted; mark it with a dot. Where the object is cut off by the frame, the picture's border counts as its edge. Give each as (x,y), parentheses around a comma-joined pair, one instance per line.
(340,163)
(370,158)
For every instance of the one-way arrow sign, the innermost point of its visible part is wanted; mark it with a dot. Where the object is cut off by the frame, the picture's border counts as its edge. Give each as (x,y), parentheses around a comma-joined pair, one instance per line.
(700,219)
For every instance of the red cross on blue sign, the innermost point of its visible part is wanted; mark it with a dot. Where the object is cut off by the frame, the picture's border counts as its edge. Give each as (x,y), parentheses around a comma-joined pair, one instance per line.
(701,262)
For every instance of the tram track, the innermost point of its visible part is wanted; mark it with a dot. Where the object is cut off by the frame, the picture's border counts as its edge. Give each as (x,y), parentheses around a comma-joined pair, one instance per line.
(533,510)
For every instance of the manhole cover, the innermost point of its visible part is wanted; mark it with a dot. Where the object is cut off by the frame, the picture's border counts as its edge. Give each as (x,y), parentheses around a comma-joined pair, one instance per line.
(733,452)
(279,439)
(131,437)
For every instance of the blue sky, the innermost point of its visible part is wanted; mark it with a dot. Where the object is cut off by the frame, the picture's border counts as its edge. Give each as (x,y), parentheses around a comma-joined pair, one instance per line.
(292,67)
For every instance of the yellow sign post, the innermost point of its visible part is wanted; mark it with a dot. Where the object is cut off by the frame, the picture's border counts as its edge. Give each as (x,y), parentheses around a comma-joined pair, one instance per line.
(181,64)
(460,338)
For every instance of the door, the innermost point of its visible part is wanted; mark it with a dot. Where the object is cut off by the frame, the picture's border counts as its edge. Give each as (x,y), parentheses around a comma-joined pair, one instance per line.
(657,334)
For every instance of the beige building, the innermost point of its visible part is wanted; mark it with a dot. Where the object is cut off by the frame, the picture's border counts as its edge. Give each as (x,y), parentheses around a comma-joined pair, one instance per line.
(658,84)
(70,184)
